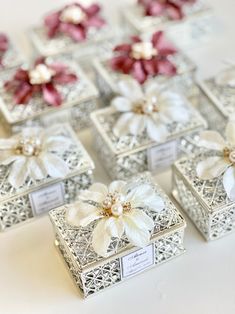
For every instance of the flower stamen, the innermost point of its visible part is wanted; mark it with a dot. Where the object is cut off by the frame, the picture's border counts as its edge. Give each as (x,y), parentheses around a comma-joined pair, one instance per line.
(143,50)
(114,206)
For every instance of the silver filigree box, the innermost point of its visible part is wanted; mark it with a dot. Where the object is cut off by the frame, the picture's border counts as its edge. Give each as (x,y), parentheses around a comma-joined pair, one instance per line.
(221,91)
(204,201)
(193,23)
(181,70)
(77,98)
(93,273)
(40,170)
(129,154)
(10,58)
(97,32)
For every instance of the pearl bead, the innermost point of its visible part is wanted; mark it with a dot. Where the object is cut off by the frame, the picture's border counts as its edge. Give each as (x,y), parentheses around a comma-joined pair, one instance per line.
(117,209)
(232,156)
(148,108)
(28,150)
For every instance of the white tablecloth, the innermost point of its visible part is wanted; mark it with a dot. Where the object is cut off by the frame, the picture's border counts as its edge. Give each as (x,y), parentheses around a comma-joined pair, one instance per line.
(33,278)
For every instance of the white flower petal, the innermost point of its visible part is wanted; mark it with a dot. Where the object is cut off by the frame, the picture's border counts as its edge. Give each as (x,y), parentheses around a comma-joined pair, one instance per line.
(229,183)
(137,236)
(153,89)
(230,132)
(8,143)
(32,132)
(174,107)
(130,89)
(115,227)
(121,104)
(57,143)
(137,124)
(101,238)
(226,77)
(212,140)
(82,214)
(88,195)
(116,186)
(7,159)
(18,172)
(99,188)
(54,165)
(211,167)
(122,125)
(141,219)
(37,170)
(156,130)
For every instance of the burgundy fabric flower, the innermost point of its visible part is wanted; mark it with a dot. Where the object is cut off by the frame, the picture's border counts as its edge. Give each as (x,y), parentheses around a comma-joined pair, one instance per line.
(74,20)
(42,78)
(144,59)
(173,9)
(4,45)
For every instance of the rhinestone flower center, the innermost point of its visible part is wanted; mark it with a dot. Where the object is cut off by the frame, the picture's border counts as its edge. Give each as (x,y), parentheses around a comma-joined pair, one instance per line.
(143,50)
(72,14)
(146,106)
(229,153)
(41,74)
(113,205)
(29,147)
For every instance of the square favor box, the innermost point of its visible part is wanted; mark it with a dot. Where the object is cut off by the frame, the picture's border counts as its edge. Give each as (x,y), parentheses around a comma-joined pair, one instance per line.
(183,80)
(195,25)
(221,91)
(97,41)
(10,58)
(36,197)
(79,99)
(204,201)
(128,155)
(93,273)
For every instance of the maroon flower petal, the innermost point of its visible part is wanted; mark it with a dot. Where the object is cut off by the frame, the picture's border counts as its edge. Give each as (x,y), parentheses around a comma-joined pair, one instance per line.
(3,42)
(23,93)
(51,95)
(174,12)
(21,75)
(76,32)
(164,47)
(127,65)
(123,48)
(117,62)
(155,9)
(39,60)
(64,78)
(58,67)
(150,66)
(95,21)
(166,67)
(138,72)
(135,39)
(92,10)
(52,22)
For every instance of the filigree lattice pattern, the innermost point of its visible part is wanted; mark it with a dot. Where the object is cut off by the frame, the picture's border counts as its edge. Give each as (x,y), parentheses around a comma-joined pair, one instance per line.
(212,223)
(18,209)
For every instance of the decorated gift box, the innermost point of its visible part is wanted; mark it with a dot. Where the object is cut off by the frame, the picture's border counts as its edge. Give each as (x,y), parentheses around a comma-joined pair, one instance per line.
(143,129)
(113,233)
(204,184)
(49,91)
(77,28)
(221,90)
(10,58)
(148,58)
(187,20)
(40,169)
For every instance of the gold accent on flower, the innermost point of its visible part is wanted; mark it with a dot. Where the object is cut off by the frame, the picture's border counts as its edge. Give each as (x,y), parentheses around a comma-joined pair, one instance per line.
(30,146)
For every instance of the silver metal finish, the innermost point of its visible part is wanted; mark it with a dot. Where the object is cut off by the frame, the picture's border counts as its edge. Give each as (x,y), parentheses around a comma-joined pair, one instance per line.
(15,205)
(126,156)
(79,100)
(205,201)
(93,273)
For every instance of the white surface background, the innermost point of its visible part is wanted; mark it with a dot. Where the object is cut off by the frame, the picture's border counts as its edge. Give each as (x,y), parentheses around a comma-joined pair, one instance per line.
(33,278)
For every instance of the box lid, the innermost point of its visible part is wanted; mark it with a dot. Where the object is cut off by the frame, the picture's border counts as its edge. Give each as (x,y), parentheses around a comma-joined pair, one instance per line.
(75,156)
(135,15)
(221,94)
(105,119)
(73,94)
(209,193)
(78,240)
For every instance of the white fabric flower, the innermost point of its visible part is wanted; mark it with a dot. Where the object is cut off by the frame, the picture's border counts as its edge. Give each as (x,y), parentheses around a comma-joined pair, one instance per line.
(226,78)
(34,153)
(149,110)
(224,162)
(117,208)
